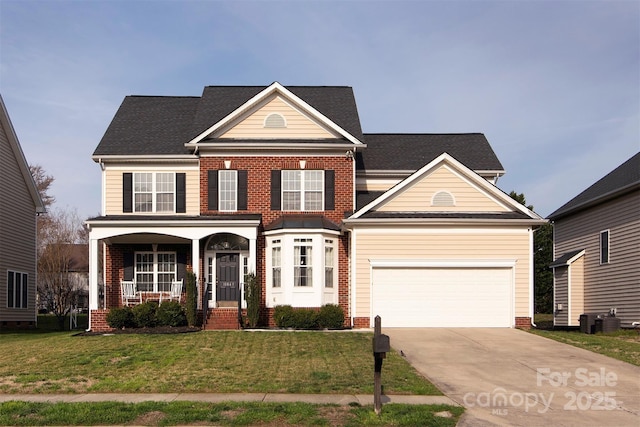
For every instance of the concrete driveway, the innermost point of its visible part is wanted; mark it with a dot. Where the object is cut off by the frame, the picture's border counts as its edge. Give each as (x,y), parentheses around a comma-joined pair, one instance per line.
(511,377)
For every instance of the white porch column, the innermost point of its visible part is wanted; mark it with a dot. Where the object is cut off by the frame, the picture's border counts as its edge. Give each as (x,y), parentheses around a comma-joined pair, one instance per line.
(195,258)
(93,274)
(253,254)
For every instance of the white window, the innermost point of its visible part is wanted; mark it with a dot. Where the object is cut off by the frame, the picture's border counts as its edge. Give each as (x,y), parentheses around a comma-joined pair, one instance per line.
(276,264)
(303,262)
(154,271)
(302,190)
(17,289)
(154,192)
(228,190)
(328,263)
(604,247)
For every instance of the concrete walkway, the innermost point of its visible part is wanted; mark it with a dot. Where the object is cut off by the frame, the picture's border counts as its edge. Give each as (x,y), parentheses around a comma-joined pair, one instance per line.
(509,377)
(339,399)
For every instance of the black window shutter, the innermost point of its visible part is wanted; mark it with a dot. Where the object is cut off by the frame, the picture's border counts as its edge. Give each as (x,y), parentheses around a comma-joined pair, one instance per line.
(127,192)
(276,199)
(242,190)
(127,261)
(212,188)
(181,196)
(182,264)
(25,300)
(329,190)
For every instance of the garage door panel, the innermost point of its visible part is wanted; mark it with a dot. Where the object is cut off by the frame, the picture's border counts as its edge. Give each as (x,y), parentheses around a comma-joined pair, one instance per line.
(442,297)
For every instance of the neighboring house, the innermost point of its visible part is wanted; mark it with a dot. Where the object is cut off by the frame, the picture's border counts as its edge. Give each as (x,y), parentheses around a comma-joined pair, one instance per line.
(596,244)
(72,260)
(282,182)
(20,206)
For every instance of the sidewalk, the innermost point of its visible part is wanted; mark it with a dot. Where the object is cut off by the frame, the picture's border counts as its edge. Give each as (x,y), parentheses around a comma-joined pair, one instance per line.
(339,399)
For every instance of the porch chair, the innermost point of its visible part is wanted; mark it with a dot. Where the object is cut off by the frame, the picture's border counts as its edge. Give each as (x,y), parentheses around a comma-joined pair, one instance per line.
(129,292)
(176,291)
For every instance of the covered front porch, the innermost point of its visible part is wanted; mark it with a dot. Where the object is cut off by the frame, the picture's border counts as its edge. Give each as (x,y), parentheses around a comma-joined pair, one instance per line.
(155,253)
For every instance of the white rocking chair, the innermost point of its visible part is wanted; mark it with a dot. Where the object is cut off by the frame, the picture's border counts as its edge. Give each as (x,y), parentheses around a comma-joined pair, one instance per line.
(176,291)
(129,292)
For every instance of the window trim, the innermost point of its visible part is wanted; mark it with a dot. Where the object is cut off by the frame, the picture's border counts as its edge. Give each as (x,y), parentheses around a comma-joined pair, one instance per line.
(605,258)
(17,300)
(302,191)
(155,270)
(221,191)
(154,192)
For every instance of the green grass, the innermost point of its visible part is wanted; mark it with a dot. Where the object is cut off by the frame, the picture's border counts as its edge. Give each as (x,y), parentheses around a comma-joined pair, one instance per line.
(622,345)
(224,362)
(222,414)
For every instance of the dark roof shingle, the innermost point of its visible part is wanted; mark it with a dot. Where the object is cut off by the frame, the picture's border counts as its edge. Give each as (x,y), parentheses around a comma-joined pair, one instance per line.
(410,152)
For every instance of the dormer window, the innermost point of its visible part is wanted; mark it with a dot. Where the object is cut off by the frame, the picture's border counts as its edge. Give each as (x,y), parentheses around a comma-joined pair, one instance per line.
(275,120)
(443,199)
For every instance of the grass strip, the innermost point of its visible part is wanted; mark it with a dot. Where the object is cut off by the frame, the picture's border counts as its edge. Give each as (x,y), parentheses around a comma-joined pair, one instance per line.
(224,414)
(623,345)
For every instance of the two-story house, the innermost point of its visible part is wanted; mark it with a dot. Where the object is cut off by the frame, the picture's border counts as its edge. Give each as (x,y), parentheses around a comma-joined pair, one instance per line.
(282,182)
(596,245)
(18,236)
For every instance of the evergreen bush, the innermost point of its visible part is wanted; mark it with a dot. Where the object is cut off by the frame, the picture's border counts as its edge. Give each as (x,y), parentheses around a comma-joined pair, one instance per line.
(145,314)
(171,313)
(252,293)
(120,317)
(191,304)
(331,316)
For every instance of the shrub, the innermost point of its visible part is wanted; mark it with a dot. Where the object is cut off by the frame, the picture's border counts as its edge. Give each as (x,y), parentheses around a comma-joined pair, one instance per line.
(171,313)
(191,304)
(119,318)
(331,316)
(145,314)
(283,316)
(252,295)
(305,318)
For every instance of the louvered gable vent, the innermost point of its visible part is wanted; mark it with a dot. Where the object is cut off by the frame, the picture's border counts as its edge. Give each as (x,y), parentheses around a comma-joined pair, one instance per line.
(275,120)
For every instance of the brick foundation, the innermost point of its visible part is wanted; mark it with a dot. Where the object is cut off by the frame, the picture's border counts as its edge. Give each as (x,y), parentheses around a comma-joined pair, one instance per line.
(361,322)
(523,322)
(99,321)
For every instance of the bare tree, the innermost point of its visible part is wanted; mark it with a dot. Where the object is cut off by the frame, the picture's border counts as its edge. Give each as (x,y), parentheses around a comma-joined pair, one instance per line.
(58,285)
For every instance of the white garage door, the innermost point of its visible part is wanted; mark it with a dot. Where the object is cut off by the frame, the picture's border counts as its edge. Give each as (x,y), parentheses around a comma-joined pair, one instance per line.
(442,297)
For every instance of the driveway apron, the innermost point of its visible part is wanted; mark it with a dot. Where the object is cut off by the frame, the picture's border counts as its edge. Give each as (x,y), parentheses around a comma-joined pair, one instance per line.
(511,377)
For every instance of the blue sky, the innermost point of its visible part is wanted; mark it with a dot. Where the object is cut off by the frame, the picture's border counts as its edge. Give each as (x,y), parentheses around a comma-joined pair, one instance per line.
(555,86)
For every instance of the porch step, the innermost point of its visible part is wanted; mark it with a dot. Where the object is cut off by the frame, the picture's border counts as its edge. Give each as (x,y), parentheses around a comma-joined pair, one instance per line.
(222,319)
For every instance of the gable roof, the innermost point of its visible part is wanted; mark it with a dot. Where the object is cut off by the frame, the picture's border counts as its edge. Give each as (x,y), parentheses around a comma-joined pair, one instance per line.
(521,211)
(410,152)
(162,125)
(14,144)
(621,180)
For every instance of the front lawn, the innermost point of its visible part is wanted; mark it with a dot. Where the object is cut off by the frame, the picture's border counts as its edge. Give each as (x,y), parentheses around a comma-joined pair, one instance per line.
(224,362)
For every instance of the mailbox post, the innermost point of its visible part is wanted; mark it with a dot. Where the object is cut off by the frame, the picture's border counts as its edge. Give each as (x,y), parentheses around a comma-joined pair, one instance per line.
(381,345)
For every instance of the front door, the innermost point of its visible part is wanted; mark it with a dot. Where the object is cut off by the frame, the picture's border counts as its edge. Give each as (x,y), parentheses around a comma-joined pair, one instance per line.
(227,277)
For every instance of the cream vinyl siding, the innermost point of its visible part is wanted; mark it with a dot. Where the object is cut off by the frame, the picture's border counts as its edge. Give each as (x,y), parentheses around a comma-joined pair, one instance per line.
(576,287)
(561,295)
(113,187)
(447,244)
(17,232)
(298,124)
(616,284)
(418,197)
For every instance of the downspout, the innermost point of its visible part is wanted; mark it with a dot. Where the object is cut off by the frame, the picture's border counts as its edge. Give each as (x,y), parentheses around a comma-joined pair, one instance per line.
(532,279)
